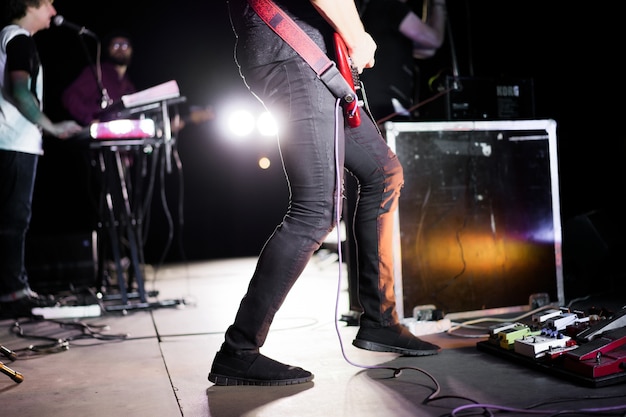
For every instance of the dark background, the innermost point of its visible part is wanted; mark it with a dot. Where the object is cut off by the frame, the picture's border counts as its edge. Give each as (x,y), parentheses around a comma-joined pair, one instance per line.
(230,206)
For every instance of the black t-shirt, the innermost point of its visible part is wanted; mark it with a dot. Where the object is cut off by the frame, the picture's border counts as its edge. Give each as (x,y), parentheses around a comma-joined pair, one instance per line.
(22,56)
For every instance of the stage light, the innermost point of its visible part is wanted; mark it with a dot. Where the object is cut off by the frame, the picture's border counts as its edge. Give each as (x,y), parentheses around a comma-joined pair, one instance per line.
(264,162)
(241,123)
(267,125)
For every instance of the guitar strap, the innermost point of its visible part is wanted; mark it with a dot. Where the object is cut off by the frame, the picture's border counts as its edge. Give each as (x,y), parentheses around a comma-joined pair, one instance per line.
(297,38)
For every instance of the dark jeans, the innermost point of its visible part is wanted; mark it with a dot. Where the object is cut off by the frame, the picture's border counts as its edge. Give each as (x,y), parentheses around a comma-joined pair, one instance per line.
(17,182)
(305,111)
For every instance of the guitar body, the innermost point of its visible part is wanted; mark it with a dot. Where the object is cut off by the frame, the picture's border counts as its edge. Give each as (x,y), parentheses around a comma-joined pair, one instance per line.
(351,75)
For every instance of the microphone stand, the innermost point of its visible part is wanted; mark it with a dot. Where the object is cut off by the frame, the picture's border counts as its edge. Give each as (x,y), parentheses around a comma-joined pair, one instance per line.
(97,71)
(456,83)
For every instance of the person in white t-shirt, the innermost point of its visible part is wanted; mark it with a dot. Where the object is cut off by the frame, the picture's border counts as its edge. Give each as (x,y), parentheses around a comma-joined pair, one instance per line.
(22,124)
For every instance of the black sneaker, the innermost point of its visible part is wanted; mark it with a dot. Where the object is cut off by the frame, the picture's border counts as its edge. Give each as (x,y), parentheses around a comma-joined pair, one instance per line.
(396,339)
(22,307)
(254,369)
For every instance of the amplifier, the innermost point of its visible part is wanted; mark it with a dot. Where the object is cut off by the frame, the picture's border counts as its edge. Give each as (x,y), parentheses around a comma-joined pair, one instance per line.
(473,98)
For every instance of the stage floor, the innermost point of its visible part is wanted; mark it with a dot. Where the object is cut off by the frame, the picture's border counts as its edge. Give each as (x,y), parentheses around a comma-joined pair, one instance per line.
(155,361)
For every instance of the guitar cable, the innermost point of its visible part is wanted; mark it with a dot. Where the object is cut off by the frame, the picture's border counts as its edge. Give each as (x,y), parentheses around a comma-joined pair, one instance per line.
(366,107)
(338,198)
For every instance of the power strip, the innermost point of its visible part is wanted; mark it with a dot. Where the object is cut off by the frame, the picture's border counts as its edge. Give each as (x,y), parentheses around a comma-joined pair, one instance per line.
(422,327)
(66,312)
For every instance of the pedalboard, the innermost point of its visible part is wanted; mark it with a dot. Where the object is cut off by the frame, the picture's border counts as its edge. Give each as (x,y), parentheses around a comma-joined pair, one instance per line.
(588,350)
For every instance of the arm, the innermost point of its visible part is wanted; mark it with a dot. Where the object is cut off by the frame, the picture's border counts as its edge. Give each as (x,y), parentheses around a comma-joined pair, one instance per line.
(81,98)
(29,107)
(428,35)
(343,16)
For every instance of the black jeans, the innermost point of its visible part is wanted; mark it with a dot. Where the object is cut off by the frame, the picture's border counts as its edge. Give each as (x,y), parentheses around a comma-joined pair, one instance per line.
(17,182)
(309,131)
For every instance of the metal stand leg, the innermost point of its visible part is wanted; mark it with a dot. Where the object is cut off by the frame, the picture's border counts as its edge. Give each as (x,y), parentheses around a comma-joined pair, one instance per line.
(123,223)
(131,226)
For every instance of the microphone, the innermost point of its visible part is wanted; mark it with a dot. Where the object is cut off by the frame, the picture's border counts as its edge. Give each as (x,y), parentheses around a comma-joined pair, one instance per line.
(60,21)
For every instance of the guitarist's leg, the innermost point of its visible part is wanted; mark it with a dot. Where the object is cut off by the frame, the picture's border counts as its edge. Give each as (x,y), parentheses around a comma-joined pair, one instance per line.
(307,148)
(380,178)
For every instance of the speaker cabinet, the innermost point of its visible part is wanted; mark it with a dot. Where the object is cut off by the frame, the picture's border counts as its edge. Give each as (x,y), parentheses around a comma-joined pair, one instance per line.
(58,263)
(478,224)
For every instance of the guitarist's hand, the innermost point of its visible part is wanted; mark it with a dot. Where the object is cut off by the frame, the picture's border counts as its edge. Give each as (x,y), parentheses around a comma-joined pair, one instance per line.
(343,16)
(362,52)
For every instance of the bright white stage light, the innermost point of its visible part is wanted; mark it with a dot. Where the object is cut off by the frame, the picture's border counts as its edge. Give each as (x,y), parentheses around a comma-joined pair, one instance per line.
(266,124)
(241,123)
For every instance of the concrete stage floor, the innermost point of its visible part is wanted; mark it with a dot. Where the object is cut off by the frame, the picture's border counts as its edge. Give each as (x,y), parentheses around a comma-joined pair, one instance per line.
(155,361)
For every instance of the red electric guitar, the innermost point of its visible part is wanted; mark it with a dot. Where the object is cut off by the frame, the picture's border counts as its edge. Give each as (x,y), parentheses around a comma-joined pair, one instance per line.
(351,75)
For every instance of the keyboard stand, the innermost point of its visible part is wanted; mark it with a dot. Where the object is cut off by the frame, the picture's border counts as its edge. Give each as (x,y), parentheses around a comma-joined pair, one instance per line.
(121,220)
(122,214)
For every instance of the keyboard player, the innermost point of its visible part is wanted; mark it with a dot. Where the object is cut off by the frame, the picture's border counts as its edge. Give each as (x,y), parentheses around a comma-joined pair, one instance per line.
(96,88)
